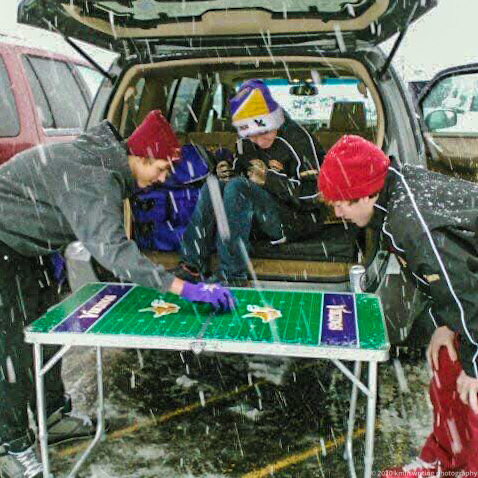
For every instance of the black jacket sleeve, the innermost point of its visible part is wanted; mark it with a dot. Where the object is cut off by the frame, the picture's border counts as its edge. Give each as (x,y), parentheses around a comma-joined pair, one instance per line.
(301,155)
(300,193)
(452,287)
(298,187)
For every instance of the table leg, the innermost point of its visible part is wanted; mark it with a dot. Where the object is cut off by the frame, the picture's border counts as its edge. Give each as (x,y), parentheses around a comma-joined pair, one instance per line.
(100,431)
(348,453)
(41,408)
(370,430)
(100,426)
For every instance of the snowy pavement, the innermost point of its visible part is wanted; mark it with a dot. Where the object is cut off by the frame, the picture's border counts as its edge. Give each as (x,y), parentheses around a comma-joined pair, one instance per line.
(181,415)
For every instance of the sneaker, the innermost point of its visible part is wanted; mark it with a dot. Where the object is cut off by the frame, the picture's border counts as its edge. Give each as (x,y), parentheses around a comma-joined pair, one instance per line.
(187,273)
(23,464)
(69,427)
(419,469)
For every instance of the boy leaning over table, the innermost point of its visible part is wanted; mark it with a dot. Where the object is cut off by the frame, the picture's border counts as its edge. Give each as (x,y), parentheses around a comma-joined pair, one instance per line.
(50,196)
(427,220)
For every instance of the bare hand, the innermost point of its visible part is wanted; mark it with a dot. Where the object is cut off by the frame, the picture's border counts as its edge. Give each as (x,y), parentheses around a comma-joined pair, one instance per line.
(224,171)
(467,388)
(257,172)
(276,165)
(175,154)
(442,336)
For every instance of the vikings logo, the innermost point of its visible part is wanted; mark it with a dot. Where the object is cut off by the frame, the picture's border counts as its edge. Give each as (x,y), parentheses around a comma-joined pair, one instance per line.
(266,314)
(160,308)
(209,287)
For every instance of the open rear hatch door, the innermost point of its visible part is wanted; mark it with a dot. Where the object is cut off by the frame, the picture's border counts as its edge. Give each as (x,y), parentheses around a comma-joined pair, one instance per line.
(219,23)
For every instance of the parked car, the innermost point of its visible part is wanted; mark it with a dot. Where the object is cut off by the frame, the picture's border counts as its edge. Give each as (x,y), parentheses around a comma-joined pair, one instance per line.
(415,88)
(45,97)
(324,64)
(449,106)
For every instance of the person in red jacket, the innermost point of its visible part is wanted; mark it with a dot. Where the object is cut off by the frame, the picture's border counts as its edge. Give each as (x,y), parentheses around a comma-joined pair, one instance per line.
(428,221)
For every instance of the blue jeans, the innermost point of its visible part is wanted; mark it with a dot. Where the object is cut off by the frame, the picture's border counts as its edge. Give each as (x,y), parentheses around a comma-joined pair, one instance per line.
(244,202)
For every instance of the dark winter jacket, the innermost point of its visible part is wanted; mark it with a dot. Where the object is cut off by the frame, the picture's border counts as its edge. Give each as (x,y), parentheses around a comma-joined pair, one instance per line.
(294,184)
(53,195)
(428,221)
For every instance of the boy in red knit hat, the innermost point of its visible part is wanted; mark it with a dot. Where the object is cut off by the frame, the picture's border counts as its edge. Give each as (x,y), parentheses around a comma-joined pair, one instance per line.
(427,220)
(75,192)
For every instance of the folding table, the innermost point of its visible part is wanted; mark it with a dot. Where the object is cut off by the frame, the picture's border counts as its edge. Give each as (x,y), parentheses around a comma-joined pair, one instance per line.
(286,323)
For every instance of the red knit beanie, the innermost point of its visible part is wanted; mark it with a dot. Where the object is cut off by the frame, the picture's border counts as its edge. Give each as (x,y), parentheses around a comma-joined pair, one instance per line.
(353,168)
(154,138)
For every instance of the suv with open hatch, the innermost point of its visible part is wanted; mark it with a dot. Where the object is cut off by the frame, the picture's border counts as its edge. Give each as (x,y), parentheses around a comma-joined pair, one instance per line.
(323,64)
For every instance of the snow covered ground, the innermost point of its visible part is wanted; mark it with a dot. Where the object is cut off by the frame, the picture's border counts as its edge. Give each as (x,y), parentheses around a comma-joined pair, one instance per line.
(181,415)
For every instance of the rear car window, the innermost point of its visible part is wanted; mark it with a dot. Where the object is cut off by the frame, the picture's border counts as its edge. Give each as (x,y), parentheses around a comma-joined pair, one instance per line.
(92,79)
(330,104)
(311,103)
(41,103)
(9,125)
(183,98)
(58,96)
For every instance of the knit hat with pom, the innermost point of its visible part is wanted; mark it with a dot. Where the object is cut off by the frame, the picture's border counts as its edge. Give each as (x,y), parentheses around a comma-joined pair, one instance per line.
(254,111)
(154,138)
(353,168)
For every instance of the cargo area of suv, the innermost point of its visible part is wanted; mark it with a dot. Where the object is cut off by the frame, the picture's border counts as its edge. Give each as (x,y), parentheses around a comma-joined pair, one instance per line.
(330,97)
(321,60)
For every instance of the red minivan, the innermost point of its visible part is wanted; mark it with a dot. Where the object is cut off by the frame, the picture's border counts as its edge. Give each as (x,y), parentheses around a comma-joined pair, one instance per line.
(44,97)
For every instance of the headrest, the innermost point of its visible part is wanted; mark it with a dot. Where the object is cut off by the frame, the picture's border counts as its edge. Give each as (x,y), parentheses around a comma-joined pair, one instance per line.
(348,116)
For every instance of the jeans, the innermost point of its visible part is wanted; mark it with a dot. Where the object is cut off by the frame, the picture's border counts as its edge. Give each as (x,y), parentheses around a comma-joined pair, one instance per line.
(27,290)
(244,202)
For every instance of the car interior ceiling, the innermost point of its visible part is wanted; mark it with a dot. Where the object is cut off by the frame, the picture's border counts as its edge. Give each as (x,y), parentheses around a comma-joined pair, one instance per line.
(297,261)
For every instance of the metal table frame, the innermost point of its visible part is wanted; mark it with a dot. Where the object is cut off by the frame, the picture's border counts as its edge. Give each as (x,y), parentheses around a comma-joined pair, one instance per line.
(335,354)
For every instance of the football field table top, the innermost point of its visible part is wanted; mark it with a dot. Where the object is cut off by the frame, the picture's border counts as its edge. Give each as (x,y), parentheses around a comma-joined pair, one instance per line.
(313,324)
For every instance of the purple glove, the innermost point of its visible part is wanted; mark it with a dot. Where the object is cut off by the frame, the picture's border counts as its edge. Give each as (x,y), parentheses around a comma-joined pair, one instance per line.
(219,297)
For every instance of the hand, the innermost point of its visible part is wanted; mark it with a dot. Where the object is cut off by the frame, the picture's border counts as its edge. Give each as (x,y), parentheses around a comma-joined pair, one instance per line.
(219,297)
(175,155)
(467,388)
(224,171)
(257,171)
(442,336)
(276,165)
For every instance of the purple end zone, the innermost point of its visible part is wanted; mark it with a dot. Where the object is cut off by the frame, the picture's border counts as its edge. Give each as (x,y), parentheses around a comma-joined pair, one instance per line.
(93,310)
(338,320)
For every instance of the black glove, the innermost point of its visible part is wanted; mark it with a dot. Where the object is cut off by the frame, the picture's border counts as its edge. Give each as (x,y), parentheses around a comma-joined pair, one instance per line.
(472,263)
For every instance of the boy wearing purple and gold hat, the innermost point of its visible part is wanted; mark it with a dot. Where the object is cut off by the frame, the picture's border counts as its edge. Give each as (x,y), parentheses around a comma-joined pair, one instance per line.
(271,183)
